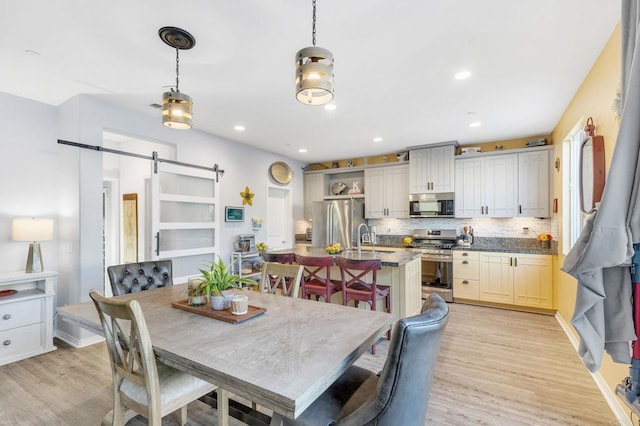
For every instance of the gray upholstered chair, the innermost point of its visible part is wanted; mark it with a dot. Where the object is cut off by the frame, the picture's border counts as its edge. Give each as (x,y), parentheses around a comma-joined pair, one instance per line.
(400,394)
(141,385)
(140,276)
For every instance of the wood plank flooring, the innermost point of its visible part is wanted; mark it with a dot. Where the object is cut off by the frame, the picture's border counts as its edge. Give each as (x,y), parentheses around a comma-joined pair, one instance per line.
(496,367)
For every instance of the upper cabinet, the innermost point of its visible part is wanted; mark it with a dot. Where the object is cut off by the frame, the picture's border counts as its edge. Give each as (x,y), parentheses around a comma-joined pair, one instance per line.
(387,195)
(431,170)
(504,185)
(313,191)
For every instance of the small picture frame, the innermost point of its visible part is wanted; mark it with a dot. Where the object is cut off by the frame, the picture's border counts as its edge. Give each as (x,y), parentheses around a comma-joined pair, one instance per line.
(233,214)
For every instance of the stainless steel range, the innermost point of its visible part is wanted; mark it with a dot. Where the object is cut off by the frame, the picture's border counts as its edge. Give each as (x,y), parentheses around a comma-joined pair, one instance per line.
(437,260)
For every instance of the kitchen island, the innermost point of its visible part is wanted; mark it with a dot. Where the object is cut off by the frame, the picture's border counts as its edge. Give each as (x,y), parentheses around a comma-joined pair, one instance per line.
(401,270)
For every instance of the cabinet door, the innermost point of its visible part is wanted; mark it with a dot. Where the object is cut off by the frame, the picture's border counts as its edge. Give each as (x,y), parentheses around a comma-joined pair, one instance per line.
(418,171)
(496,277)
(396,193)
(441,169)
(468,187)
(533,184)
(532,281)
(500,185)
(374,202)
(313,191)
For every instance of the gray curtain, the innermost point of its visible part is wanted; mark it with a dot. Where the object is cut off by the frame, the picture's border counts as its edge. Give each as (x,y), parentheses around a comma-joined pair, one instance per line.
(601,258)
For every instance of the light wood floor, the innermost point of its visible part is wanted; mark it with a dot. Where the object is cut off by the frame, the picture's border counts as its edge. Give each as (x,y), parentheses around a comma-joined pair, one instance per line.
(496,367)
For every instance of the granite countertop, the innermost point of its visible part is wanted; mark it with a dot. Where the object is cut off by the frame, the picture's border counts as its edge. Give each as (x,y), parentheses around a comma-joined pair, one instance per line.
(511,245)
(393,259)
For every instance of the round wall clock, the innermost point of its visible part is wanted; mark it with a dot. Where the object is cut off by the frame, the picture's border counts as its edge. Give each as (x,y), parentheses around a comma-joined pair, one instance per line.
(281,172)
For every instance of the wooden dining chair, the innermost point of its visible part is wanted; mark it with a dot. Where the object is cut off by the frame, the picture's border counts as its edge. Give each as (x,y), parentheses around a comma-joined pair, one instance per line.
(317,277)
(276,276)
(141,384)
(357,287)
(399,394)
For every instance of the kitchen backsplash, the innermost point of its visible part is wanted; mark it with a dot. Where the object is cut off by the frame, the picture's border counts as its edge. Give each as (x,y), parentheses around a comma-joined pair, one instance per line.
(483,227)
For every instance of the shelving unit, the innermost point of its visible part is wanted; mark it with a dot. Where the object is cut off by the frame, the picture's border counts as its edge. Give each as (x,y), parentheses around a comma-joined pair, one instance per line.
(26,317)
(241,260)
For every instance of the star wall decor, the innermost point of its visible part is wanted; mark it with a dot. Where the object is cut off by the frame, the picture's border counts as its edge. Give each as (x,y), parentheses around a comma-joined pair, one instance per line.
(247,196)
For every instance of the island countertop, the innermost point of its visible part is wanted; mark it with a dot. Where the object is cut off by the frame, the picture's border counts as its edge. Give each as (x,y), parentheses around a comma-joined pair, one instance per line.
(388,257)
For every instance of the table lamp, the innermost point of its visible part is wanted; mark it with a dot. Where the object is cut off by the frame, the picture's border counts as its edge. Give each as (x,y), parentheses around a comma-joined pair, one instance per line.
(33,230)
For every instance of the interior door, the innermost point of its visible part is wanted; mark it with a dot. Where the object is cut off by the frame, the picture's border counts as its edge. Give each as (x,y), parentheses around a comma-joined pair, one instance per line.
(184,218)
(279,227)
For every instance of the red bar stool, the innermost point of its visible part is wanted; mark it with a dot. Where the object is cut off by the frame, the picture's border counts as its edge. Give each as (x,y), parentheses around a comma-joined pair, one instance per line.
(355,287)
(316,278)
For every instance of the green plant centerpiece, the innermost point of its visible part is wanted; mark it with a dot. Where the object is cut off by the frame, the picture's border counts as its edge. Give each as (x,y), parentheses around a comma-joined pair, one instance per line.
(217,283)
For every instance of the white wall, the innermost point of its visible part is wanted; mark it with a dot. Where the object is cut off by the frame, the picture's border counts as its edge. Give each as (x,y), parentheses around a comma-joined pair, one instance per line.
(43,178)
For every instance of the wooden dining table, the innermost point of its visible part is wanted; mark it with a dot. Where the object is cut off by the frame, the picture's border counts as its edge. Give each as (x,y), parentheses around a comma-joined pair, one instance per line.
(283,359)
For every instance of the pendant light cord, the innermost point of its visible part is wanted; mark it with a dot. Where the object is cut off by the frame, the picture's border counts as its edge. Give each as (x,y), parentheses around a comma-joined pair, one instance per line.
(313,34)
(177,68)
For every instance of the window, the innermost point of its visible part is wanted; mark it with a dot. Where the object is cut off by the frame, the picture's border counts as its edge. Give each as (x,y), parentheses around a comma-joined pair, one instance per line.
(572,217)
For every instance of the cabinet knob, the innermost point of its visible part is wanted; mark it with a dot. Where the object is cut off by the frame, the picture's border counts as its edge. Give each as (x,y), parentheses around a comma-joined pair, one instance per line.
(6,316)
(465,254)
(465,262)
(6,342)
(465,282)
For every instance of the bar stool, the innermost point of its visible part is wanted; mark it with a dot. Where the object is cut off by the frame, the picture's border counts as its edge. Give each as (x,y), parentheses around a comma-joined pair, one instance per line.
(355,287)
(317,277)
(288,258)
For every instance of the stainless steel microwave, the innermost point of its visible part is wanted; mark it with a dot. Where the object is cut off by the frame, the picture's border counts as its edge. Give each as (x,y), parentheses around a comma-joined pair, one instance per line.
(431,205)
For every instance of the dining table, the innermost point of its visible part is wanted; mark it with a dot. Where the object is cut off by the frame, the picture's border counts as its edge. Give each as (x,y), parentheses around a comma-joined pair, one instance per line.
(282,359)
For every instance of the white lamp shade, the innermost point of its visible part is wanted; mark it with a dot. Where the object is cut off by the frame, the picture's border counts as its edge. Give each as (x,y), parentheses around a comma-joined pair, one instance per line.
(32,229)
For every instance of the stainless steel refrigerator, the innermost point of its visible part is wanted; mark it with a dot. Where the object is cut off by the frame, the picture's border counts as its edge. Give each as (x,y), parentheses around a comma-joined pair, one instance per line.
(337,221)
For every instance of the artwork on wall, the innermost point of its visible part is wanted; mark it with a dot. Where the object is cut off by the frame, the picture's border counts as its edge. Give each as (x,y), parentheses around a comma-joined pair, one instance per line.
(130,227)
(233,214)
(247,196)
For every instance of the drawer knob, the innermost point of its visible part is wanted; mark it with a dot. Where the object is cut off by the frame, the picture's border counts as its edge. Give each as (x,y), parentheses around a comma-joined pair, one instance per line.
(465,282)
(6,316)
(464,262)
(465,254)
(6,342)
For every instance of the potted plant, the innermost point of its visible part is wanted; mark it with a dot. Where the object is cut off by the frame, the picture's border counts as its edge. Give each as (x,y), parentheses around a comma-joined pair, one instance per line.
(217,283)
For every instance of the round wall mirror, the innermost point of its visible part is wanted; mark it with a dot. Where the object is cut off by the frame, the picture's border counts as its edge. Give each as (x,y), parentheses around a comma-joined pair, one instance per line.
(592,172)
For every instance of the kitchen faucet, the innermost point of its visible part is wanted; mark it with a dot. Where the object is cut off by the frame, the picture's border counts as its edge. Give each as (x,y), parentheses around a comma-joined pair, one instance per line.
(360,238)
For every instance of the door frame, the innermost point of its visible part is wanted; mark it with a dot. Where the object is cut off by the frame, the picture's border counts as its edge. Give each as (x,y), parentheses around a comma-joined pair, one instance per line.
(288,213)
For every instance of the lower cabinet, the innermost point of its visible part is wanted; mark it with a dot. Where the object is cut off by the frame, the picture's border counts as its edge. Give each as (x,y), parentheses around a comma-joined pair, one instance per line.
(506,278)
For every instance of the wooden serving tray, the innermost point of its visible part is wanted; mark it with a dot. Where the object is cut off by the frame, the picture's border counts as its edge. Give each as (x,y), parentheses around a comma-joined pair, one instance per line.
(223,315)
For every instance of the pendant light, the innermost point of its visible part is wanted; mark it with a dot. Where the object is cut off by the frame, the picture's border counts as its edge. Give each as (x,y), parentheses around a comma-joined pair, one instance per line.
(314,72)
(177,108)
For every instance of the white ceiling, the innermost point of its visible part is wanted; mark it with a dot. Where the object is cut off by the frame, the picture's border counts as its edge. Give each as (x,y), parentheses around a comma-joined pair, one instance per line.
(394,65)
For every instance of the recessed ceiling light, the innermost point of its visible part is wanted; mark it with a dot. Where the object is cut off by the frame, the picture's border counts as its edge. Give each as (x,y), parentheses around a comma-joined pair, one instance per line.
(377,139)
(330,106)
(302,150)
(475,124)
(239,128)
(462,75)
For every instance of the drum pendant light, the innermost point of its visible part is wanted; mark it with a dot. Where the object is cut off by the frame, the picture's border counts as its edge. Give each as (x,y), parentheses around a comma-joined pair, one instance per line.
(177,108)
(314,72)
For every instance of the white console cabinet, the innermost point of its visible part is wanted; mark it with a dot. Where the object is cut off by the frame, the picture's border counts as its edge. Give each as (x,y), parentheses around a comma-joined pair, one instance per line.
(26,317)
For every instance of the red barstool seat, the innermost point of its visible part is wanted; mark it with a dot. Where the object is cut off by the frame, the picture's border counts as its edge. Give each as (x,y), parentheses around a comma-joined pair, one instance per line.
(356,287)
(316,280)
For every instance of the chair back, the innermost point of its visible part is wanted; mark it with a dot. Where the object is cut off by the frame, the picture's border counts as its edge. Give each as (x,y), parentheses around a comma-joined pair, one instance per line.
(353,273)
(316,269)
(402,392)
(129,346)
(278,257)
(278,276)
(134,277)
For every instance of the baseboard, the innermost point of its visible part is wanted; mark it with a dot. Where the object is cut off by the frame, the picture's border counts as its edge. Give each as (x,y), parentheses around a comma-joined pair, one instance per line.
(78,343)
(618,410)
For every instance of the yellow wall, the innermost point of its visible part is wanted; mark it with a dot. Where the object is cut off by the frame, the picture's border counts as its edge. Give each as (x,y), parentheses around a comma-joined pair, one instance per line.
(594,99)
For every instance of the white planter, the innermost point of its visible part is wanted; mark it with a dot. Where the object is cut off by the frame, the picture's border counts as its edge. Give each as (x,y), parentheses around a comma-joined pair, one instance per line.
(219,303)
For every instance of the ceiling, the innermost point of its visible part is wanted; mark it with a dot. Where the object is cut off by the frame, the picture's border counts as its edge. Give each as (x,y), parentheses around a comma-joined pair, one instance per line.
(394,65)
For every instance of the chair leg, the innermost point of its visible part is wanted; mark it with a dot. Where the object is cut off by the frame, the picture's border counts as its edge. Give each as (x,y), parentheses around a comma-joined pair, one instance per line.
(181,415)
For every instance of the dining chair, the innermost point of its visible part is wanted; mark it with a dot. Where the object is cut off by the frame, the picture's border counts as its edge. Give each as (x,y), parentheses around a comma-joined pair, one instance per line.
(317,277)
(399,395)
(276,276)
(139,276)
(141,384)
(357,287)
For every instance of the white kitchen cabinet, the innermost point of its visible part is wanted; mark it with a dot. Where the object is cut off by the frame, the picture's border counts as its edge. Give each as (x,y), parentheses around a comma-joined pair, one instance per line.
(387,193)
(534,184)
(503,185)
(26,317)
(518,279)
(431,170)
(314,190)
(466,274)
